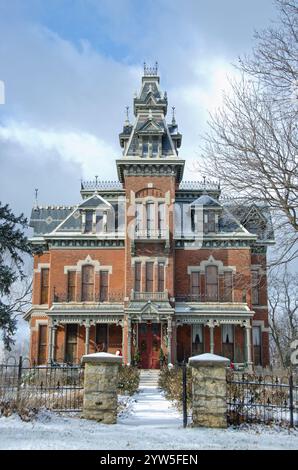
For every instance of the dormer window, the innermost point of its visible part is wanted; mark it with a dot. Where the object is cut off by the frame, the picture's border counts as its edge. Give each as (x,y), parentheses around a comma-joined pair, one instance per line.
(150,146)
(154,147)
(89,221)
(145,151)
(209,221)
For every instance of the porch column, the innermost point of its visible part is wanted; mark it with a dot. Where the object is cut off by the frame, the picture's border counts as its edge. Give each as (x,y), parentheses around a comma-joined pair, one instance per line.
(170,331)
(53,343)
(248,344)
(87,337)
(211,330)
(128,341)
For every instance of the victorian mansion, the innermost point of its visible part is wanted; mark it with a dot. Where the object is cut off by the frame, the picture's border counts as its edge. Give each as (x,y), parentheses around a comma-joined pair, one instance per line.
(151,266)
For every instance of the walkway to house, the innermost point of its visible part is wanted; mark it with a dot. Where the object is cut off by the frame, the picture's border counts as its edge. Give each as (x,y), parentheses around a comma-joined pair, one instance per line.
(150,407)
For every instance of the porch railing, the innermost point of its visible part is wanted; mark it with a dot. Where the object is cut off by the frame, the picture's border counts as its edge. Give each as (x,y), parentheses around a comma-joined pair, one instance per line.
(203,298)
(161,296)
(151,234)
(64,297)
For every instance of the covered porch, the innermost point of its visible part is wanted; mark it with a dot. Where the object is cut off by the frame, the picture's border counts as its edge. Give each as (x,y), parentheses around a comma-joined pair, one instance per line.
(225,330)
(70,336)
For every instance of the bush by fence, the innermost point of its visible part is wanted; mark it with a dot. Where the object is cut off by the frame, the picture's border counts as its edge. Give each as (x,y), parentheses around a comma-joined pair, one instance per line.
(170,381)
(129,379)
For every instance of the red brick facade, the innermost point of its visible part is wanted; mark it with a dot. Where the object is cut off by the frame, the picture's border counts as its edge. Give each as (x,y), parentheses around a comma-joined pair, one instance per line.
(149,292)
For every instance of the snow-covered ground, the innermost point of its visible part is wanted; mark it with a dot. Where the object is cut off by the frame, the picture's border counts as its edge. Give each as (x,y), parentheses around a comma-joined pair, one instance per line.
(148,422)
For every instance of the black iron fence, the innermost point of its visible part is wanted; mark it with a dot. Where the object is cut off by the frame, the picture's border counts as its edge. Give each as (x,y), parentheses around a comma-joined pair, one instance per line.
(58,387)
(262,399)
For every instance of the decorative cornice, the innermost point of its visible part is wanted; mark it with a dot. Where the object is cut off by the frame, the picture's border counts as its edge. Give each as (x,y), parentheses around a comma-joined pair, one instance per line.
(150,167)
(212,244)
(81,244)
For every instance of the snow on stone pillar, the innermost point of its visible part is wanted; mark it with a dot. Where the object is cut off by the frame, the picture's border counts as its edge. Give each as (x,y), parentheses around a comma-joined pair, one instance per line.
(100,387)
(209,389)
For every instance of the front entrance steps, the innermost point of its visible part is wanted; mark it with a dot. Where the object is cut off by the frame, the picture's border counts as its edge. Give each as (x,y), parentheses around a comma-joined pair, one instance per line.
(149,378)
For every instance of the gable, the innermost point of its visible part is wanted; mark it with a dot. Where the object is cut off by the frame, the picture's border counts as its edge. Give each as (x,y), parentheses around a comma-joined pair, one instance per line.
(150,126)
(95,202)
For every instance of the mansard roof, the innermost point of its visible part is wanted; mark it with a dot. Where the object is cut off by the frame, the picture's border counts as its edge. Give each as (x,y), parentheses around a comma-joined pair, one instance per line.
(255,217)
(44,219)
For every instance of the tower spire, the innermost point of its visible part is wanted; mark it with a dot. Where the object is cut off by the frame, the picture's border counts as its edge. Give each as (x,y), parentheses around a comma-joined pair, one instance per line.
(173,116)
(35,199)
(127,123)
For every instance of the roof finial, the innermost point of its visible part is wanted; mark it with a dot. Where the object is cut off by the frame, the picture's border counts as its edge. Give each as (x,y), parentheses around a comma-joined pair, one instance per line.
(173,116)
(127,116)
(96,180)
(36,194)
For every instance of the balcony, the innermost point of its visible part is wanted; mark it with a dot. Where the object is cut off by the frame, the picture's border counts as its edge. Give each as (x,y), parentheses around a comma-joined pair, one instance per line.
(203,298)
(154,296)
(145,234)
(110,297)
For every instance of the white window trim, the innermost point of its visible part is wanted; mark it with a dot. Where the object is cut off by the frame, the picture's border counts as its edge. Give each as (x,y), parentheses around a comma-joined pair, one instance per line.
(41,266)
(210,262)
(88,260)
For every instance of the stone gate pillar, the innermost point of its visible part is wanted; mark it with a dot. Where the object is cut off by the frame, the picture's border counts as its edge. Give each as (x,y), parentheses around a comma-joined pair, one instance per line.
(209,389)
(100,387)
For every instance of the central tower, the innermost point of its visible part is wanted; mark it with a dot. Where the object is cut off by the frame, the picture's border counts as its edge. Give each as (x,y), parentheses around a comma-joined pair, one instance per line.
(150,171)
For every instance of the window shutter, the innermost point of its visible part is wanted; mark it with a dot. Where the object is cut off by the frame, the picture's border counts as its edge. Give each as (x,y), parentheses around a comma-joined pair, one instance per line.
(44,285)
(149,277)
(195,286)
(211,283)
(87,283)
(161,277)
(71,286)
(138,267)
(104,285)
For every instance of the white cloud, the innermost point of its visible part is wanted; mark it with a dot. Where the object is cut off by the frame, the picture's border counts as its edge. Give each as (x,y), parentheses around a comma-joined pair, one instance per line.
(76,147)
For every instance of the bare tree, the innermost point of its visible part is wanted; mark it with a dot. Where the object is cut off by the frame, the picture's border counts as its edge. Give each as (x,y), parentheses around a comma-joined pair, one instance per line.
(283,313)
(252,144)
(274,58)
(20,297)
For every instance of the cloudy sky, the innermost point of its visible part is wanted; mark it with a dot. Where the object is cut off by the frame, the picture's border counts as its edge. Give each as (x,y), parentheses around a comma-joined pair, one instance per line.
(71,66)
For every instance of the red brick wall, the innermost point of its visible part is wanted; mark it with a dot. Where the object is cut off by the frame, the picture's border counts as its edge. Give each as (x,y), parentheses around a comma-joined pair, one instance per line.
(163,184)
(239,258)
(58,279)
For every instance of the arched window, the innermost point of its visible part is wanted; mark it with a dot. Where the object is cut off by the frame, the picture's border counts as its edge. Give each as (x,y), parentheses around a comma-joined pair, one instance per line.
(211,283)
(87,283)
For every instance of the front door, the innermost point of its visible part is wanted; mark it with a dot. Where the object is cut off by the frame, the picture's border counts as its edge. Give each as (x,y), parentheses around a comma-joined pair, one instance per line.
(149,345)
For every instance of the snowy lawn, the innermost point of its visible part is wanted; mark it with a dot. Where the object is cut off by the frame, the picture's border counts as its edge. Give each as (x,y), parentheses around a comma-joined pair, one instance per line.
(148,422)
